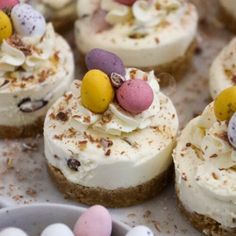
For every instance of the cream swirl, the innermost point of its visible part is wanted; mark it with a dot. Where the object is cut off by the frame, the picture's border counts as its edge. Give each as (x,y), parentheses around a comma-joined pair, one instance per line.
(205,169)
(57,4)
(219,158)
(115,120)
(29,53)
(148,13)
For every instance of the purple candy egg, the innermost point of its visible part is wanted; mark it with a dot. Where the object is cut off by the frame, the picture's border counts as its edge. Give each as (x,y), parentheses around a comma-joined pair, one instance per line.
(135,96)
(27,21)
(105,61)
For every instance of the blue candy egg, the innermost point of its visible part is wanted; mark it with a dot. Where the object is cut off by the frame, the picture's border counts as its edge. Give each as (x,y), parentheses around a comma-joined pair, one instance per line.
(232,130)
(140,231)
(12,232)
(27,21)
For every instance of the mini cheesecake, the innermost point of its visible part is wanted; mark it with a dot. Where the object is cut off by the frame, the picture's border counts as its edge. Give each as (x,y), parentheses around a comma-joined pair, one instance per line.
(36,67)
(117,157)
(228,13)
(223,70)
(150,35)
(205,161)
(61,13)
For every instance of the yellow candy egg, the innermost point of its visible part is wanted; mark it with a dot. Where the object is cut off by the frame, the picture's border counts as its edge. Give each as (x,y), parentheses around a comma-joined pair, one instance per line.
(5,26)
(96,91)
(225,104)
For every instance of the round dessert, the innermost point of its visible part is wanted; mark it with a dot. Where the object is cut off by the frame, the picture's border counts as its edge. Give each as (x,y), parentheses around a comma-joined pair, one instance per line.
(149,35)
(205,167)
(101,146)
(60,13)
(223,70)
(36,67)
(228,13)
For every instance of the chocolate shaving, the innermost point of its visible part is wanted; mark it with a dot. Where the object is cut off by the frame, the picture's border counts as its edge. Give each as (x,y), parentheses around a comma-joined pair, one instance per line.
(106,143)
(16,42)
(5,82)
(62,116)
(117,79)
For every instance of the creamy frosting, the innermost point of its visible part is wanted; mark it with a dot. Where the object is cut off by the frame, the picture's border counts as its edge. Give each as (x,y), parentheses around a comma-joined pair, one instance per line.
(223,70)
(230,6)
(114,144)
(34,72)
(205,169)
(148,28)
(120,121)
(37,52)
(52,9)
(56,4)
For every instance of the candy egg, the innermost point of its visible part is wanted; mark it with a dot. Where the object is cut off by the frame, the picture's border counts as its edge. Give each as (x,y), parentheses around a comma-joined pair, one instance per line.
(127,2)
(8,4)
(5,26)
(58,230)
(140,231)
(12,232)
(27,21)
(95,221)
(105,61)
(135,96)
(232,130)
(225,104)
(96,91)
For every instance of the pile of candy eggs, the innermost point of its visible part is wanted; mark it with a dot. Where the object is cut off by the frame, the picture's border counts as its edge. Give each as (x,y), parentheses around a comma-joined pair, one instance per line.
(225,110)
(95,221)
(21,19)
(106,80)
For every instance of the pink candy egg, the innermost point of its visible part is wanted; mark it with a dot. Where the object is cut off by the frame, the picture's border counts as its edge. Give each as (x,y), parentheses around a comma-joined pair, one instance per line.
(127,2)
(135,96)
(7,4)
(95,221)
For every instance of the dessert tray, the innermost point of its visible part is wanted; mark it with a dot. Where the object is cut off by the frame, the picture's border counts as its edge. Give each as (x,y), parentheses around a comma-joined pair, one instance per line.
(23,173)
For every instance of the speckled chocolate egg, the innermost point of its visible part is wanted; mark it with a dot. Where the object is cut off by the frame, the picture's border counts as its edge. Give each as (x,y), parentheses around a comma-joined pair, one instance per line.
(27,21)
(8,4)
(140,231)
(105,61)
(135,96)
(96,91)
(95,221)
(127,2)
(12,232)
(57,230)
(225,104)
(232,130)
(5,26)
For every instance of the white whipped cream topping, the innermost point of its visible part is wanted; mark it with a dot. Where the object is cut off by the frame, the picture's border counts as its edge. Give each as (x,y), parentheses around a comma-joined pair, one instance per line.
(223,70)
(45,77)
(137,156)
(205,169)
(43,48)
(230,6)
(119,120)
(167,32)
(52,9)
(56,4)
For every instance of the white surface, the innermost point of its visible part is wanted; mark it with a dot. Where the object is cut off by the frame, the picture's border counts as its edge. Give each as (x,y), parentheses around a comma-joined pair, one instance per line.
(27,181)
